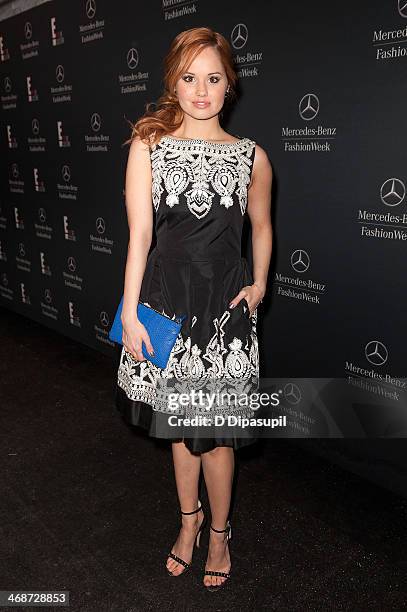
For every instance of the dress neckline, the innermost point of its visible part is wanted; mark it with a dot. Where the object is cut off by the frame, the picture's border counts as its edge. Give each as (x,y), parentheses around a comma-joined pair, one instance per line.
(202,141)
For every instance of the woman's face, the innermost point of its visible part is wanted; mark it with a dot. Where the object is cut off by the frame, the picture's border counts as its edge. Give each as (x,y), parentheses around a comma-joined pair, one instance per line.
(201,89)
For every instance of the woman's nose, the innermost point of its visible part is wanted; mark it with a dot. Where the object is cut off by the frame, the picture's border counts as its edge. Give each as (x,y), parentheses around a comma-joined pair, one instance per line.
(201,90)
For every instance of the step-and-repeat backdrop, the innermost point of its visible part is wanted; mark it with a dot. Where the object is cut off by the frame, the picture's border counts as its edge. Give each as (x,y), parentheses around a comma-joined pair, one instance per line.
(322,91)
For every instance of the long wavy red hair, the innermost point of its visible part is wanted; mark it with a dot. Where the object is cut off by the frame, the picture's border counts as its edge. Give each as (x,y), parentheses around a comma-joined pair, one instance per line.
(166,115)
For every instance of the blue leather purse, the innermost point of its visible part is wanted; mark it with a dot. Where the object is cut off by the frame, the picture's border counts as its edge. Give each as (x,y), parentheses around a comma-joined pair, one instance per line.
(163,331)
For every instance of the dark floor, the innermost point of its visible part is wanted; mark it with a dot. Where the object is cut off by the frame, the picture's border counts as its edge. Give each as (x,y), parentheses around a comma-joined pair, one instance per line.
(89,505)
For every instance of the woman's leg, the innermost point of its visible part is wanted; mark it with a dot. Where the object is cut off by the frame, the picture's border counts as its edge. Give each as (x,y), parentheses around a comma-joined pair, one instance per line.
(187,468)
(218,468)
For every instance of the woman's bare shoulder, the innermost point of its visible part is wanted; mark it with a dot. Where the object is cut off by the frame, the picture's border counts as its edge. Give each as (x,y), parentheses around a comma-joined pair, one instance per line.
(262,169)
(141,145)
(261,160)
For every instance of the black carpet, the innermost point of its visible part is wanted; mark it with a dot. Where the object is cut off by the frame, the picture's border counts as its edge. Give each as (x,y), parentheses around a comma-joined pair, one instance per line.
(89,505)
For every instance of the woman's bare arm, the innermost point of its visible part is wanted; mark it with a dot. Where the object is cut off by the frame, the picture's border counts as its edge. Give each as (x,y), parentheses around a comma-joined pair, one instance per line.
(259,211)
(140,219)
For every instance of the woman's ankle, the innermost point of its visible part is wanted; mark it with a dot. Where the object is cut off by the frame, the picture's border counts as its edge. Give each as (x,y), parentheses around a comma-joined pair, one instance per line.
(190,522)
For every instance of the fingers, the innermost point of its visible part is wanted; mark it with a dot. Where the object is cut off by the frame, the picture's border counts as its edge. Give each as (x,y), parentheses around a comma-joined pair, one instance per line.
(135,351)
(138,352)
(149,346)
(135,347)
(243,294)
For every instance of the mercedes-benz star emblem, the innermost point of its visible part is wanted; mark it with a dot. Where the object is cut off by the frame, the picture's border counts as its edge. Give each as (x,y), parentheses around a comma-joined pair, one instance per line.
(90,9)
(71,264)
(100,225)
(292,393)
(132,58)
(300,261)
(392,192)
(239,36)
(95,122)
(28,31)
(35,126)
(66,173)
(376,352)
(104,318)
(402,6)
(59,73)
(308,107)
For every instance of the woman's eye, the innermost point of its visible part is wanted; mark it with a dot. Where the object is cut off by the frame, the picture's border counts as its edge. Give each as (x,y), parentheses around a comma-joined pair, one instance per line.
(188,79)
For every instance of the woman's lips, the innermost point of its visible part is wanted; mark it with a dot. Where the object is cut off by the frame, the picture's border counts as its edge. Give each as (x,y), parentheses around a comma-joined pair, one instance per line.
(201,104)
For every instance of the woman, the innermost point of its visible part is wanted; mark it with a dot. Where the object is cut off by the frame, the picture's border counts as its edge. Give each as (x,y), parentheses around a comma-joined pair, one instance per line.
(199,181)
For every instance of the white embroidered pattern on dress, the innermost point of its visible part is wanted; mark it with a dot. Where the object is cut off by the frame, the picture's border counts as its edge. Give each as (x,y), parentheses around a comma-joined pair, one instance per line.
(234,368)
(224,168)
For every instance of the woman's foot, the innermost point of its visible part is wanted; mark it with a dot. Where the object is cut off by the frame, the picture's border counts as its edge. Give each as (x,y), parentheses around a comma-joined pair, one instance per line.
(184,544)
(218,558)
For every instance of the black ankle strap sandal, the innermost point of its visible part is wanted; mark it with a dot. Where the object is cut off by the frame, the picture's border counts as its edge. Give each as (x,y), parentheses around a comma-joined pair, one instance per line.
(228,531)
(196,543)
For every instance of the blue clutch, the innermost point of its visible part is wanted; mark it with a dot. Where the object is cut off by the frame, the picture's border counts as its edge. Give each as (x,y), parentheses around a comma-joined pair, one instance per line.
(163,331)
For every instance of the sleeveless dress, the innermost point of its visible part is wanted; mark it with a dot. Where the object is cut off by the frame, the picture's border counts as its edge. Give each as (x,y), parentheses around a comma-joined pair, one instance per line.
(199,195)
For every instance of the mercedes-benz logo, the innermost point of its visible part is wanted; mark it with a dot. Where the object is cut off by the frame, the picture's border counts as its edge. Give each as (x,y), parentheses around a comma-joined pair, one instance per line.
(104,318)
(48,296)
(59,73)
(402,6)
(7,84)
(28,31)
(392,192)
(35,126)
(90,9)
(239,36)
(292,393)
(132,58)
(66,173)
(376,352)
(71,264)
(95,122)
(14,170)
(21,249)
(100,225)
(300,261)
(42,215)
(308,107)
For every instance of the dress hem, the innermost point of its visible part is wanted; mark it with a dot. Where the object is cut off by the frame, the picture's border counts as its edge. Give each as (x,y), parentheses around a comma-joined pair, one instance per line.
(140,414)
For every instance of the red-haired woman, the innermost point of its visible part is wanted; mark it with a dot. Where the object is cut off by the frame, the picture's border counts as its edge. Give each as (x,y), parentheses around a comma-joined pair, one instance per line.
(194,183)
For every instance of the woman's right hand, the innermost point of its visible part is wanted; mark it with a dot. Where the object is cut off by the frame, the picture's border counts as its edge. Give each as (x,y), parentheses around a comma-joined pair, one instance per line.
(134,333)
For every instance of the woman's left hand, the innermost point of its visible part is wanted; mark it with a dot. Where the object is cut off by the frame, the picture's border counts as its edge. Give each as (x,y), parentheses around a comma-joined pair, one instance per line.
(253,296)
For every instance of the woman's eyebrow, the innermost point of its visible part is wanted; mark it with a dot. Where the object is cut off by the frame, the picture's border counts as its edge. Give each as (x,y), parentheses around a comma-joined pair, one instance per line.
(209,73)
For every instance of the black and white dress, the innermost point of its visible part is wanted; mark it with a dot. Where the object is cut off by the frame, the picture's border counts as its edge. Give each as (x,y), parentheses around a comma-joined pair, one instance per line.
(199,194)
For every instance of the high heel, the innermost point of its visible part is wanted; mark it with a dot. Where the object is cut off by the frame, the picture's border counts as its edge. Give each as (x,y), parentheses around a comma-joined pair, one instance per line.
(216,587)
(196,543)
